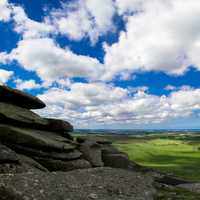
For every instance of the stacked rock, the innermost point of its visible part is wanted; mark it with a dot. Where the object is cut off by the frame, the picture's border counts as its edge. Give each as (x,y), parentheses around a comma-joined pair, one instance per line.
(29,142)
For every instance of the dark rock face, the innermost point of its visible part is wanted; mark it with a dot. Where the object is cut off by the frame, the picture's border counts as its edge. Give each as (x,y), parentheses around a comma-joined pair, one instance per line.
(7,155)
(60,165)
(85,184)
(71,155)
(59,126)
(30,162)
(11,114)
(33,138)
(116,160)
(11,162)
(92,152)
(9,194)
(19,98)
(24,166)
(109,149)
(21,117)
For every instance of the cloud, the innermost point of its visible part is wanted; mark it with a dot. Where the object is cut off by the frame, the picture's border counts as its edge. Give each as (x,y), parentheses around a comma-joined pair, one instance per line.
(127,7)
(27,27)
(4,58)
(5,75)
(176,88)
(64,83)
(5,11)
(26,84)
(162,36)
(84,18)
(97,103)
(185,101)
(170,88)
(81,102)
(22,23)
(52,63)
(159,36)
(89,94)
(169,42)
(164,44)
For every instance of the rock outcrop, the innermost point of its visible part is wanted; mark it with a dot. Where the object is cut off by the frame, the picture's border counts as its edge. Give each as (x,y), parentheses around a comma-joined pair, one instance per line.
(16,97)
(33,149)
(47,141)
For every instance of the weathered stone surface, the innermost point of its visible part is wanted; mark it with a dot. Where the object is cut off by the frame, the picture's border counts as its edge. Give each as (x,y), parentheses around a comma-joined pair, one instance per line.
(34,138)
(75,154)
(30,162)
(92,152)
(15,168)
(7,155)
(85,184)
(15,115)
(9,194)
(58,125)
(21,117)
(11,162)
(109,149)
(19,98)
(60,165)
(116,160)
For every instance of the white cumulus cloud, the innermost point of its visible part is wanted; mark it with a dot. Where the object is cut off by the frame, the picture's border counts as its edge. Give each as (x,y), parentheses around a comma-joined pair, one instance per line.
(84,18)
(162,36)
(97,103)
(28,27)
(5,75)
(26,84)
(52,63)
(5,11)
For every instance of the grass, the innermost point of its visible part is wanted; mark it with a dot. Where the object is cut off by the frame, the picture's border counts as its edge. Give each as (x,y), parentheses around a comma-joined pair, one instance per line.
(179,157)
(176,194)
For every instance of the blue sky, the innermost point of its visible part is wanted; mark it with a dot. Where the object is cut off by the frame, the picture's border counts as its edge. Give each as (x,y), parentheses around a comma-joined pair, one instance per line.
(111,64)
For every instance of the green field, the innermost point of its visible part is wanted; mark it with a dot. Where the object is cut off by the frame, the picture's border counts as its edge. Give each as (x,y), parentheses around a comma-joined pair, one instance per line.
(179,156)
(176,154)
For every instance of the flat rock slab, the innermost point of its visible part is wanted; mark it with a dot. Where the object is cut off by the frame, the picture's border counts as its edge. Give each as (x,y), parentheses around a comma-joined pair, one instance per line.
(30,162)
(85,184)
(7,155)
(75,154)
(60,165)
(20,98)
(59,125)
(15,115)
(34,138)
(22,117)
